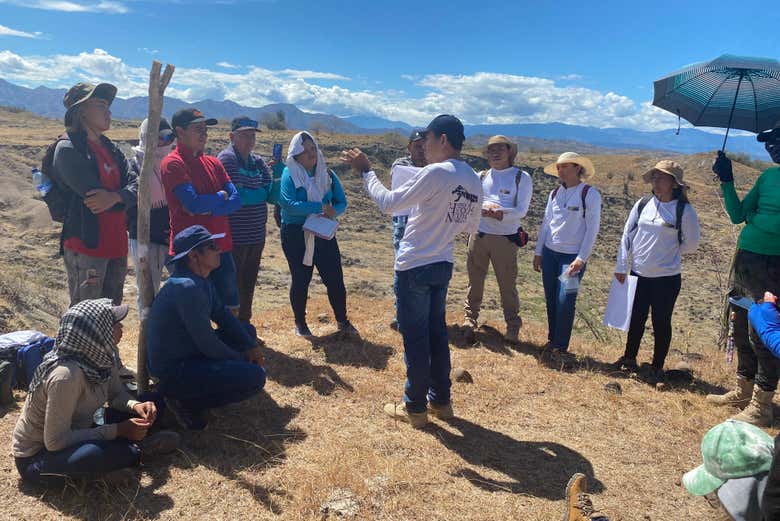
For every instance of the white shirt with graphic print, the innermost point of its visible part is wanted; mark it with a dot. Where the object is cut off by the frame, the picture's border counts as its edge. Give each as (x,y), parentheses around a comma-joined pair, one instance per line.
(445,200)
(502,190)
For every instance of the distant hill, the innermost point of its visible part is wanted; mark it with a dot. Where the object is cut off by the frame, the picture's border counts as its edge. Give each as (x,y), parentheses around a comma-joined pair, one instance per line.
(550,136)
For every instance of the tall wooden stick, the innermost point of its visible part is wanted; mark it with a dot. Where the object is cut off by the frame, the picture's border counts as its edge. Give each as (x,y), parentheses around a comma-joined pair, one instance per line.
(157,87)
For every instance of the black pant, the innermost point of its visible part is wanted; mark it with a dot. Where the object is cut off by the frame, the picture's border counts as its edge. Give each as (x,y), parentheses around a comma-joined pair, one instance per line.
(658,294)
(327,259)
(752,275)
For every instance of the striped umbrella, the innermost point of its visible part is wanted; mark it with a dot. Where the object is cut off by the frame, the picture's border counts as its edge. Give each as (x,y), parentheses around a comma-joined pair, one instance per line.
(727,92)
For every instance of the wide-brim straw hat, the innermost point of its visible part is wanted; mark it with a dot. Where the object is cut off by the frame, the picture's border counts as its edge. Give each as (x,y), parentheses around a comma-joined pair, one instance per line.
(571,157)
(501,140)
(666,166)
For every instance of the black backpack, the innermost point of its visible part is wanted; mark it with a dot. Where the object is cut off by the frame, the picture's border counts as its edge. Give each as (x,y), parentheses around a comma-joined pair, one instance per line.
(58,197)
(679,209)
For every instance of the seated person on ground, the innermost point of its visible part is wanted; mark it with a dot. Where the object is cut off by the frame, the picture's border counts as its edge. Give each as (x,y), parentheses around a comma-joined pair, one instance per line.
(55,436)
(199,368)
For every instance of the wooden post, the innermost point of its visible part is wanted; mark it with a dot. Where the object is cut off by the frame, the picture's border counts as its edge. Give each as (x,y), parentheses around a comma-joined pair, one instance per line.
(157,87)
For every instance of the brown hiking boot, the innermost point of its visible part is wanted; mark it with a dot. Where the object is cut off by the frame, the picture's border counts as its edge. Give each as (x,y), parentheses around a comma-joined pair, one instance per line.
(737,397)
(418,420)
(579,506)
(442,412)
(759,410)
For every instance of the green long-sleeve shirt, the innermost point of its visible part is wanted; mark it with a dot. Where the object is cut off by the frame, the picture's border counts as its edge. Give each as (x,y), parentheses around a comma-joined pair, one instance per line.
(759,210)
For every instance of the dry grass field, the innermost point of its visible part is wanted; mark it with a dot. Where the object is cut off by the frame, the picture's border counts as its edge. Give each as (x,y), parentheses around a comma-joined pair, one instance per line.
(318,433)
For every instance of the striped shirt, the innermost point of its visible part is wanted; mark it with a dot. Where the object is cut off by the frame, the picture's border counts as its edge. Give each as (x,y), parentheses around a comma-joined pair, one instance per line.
(253,182)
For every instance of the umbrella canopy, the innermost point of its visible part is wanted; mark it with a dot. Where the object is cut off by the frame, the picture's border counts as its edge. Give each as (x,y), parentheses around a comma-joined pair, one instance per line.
(727,92)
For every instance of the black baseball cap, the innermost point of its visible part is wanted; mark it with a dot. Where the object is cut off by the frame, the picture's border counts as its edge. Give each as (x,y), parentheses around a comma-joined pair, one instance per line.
(416,135)
(769,135)
(450,126)
(244,123)
(185,117)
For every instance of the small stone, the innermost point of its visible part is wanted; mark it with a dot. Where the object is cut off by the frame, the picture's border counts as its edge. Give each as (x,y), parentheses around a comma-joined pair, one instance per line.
(613,387)
(341,503)
(662,386)
(682,365)
(463,376)
(323,318)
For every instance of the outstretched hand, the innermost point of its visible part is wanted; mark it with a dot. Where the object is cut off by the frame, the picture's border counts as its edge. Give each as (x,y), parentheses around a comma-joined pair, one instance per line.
(357,159)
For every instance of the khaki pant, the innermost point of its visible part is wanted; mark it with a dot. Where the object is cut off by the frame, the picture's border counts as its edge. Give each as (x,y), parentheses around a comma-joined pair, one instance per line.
(502,253)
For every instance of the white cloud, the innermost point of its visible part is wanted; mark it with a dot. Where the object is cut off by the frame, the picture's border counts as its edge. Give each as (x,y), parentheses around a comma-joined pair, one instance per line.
(571,77)
(312,75)
(148,50)
(479,98)
(7,31)
(68,6)
(228,65)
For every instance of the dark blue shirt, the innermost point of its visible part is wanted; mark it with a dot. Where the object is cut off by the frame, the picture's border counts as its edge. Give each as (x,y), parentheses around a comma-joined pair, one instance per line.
(180,325)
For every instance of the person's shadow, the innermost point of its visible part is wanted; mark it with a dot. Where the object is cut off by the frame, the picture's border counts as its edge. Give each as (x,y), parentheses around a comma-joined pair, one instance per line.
(540,469)
(352,350)
(293,372)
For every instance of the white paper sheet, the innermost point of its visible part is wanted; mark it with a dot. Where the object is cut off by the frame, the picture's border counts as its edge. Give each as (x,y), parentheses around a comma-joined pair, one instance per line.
(620,303)
(321,226)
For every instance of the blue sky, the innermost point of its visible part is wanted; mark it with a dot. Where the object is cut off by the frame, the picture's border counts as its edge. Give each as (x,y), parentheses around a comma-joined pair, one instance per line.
(590,63)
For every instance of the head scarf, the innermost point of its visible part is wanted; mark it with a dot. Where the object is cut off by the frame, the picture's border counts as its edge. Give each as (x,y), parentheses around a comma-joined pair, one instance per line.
(86,337)
(316,186)
(157,192)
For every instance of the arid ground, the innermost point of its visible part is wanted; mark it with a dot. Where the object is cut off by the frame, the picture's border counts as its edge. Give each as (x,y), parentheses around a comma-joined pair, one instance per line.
(318,433)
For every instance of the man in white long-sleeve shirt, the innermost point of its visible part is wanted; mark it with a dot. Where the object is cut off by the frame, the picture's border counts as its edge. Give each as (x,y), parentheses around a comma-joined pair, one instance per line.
(566,238)
(507,195)
(445,199)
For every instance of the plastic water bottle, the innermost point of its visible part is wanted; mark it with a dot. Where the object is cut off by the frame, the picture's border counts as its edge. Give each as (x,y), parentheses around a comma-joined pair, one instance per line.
(41,182)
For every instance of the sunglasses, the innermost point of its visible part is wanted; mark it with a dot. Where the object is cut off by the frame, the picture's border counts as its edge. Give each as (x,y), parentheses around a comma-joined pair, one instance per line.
(243,123)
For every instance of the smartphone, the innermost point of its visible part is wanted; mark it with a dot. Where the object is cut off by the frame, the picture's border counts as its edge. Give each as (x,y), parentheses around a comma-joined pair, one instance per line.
(277,154)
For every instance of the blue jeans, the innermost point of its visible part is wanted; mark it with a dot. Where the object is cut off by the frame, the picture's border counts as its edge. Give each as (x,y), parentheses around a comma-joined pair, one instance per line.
(422,306)
(88,459)
(399,228)
(560,304)
(206,383)
(225,280)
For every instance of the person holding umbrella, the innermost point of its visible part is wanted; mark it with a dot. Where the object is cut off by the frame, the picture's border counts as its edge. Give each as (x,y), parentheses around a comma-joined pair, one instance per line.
(756,269)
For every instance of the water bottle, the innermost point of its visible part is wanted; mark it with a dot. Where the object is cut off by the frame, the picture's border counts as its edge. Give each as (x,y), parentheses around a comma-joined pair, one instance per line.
(41,182)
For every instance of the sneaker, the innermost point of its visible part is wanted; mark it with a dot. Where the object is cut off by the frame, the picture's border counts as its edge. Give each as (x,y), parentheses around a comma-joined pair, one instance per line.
(303,330)
(418,420)
(346,327)
(442,412)
(625,364)
(650,374)
(186,418)
(579,506)
(161,442)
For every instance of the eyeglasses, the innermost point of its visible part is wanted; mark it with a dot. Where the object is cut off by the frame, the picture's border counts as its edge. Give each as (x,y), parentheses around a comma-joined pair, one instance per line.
(243,123)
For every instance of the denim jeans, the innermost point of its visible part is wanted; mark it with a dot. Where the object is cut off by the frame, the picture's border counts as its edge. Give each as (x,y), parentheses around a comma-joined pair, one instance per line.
(206,383)
(422,306)
(225,281)
(560,303)
(88,459)
(399,228)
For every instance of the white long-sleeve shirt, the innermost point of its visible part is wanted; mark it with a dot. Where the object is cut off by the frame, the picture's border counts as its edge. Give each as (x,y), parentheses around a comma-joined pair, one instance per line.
(445,200)
(651,239)
(499,187)
(399,175)
(564,229)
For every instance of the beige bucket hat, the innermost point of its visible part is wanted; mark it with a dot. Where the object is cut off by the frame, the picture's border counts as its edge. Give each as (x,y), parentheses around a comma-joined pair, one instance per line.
(571,157)
(667,166)
(502,140)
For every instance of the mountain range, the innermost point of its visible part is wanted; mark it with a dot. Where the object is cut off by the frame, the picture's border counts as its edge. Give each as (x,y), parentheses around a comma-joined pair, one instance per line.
(47,102)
